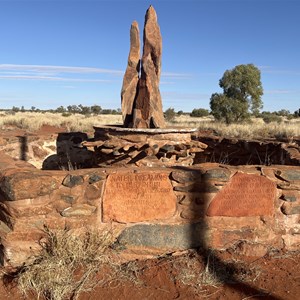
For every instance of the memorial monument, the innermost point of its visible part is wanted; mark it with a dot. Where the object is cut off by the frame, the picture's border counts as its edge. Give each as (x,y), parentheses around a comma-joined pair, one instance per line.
(144,140)
(140,95)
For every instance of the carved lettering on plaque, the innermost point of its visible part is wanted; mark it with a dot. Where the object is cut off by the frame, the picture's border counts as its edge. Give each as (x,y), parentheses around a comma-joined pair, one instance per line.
(135,197)
(245,195)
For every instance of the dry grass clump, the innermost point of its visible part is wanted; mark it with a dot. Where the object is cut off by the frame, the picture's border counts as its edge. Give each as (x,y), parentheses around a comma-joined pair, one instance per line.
(215,272)
(70,264)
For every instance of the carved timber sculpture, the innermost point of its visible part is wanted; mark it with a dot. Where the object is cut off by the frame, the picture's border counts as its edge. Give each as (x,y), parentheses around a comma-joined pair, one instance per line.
(140,95)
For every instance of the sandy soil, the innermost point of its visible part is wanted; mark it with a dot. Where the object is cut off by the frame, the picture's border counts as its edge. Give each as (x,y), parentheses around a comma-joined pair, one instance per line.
(275,276)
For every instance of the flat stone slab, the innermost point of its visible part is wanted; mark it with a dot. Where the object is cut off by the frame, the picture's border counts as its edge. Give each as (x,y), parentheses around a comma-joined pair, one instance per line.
(136,197)
(245,195)
(144,130)
(163,237)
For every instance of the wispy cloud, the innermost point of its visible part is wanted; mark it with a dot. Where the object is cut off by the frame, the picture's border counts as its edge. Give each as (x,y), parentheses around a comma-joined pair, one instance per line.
(272,70)
(73,74)
(34,77)
(276,92)
(57,73)
(173,75)
(58,69)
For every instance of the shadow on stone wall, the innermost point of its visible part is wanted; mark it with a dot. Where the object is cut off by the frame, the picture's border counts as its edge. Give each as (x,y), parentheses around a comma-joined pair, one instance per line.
(71,155)
(23,147)
(199,237)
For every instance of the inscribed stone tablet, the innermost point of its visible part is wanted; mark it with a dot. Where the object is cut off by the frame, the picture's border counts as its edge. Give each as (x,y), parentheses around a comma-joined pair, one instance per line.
(245,195)
(136,197)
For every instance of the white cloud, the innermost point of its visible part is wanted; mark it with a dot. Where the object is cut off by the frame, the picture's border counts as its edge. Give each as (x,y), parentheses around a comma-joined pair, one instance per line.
(58,69)
(50,78)
(276,92)
(272,70)
(176,75)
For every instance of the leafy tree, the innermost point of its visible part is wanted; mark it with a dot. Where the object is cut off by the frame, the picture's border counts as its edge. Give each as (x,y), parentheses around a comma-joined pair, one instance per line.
(283,112)
(73,109)
(60,109)
(180,112)
(15,109)
(22,109)
(170,114)
(96,109)
(242,91)
(199,112)
(84,110)
(297,113)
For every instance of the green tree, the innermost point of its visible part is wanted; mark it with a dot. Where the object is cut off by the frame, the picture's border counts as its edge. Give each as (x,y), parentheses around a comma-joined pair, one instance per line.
(96,109)
(242,91)
(15,109)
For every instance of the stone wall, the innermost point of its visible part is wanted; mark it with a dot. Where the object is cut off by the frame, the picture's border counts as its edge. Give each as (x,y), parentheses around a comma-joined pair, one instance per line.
(251,209)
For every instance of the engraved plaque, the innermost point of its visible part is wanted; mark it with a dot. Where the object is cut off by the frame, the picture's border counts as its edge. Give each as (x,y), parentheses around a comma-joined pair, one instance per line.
(245,195)
(136,197)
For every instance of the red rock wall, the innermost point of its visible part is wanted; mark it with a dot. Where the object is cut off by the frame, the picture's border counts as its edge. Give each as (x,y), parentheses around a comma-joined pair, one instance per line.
(251,209)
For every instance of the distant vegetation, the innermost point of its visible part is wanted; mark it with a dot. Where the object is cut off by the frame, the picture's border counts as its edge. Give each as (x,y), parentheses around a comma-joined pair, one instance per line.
(72,109)
(265,125)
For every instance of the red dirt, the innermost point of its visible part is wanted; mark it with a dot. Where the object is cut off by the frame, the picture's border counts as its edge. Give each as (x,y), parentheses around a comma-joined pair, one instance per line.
(275,276)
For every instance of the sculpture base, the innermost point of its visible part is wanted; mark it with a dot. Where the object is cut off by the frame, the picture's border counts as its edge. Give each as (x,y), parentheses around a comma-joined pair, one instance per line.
(115,145)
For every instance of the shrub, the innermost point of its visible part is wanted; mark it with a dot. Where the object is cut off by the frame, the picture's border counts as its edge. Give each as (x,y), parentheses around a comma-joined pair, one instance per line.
(271,117)
(199,112)
(170,114)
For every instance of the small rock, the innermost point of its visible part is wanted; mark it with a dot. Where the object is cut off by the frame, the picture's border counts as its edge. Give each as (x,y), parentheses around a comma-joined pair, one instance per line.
(69,199)
(72,180)
(216,174)
(167,148)
(95,178)
(78,210)
(289,198)
(184,177)
(289,209)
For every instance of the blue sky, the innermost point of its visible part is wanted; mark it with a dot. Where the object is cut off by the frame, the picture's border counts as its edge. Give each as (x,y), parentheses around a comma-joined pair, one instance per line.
(62,52)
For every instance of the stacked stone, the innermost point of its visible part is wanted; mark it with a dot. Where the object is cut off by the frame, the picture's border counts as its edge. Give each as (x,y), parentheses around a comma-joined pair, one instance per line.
(249,152)
(149,148)
(156,211)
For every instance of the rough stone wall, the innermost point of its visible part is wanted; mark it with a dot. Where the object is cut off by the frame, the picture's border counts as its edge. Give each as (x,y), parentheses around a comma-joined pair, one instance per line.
(251,209)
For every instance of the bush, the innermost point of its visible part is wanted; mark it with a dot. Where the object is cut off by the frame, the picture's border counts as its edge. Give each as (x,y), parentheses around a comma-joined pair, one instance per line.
(271,117)
(199,112)
(170,114)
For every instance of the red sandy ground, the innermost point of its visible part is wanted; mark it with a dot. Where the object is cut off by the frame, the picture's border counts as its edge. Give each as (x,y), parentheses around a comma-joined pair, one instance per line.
(275,276)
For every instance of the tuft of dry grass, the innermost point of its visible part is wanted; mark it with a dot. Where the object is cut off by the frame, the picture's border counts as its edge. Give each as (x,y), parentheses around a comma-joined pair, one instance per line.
(70,264)
(215,272)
